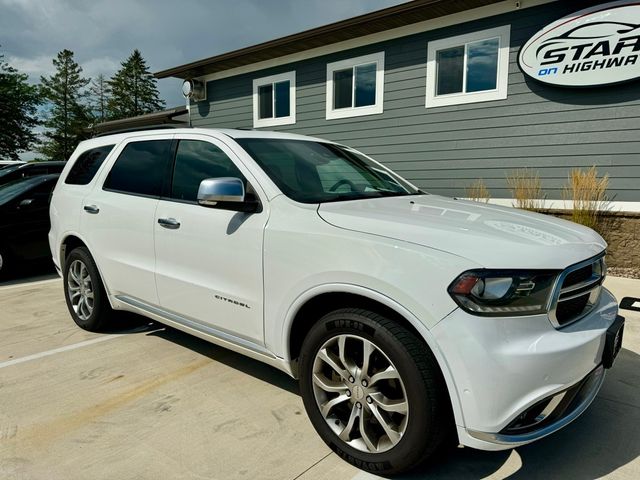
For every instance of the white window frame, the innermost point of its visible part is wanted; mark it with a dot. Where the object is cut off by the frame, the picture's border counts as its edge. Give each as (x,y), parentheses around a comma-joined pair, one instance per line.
(376,108)
(275,121)
(502,80)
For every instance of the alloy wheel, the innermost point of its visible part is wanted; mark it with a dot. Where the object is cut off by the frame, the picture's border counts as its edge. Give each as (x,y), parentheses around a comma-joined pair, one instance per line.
(80,288)
(360,393)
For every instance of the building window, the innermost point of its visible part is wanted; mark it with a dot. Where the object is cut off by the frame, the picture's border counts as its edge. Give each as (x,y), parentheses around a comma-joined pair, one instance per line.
(274,100)
(469,68)
(355,86)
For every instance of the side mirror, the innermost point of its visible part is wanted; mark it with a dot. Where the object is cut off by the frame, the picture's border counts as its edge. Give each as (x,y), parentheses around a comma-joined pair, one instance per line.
(215,190)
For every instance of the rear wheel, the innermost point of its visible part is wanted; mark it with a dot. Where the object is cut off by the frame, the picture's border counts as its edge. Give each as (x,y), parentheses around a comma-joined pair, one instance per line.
(5,262)
(86,297)
(373,391)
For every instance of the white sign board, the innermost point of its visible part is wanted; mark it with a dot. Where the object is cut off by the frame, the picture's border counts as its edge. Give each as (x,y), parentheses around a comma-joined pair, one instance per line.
(596,46)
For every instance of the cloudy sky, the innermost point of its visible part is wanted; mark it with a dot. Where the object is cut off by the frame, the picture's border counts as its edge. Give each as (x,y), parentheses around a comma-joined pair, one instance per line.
(167,32)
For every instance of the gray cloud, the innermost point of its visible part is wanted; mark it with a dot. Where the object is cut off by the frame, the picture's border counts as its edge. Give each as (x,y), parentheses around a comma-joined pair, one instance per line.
(167,32)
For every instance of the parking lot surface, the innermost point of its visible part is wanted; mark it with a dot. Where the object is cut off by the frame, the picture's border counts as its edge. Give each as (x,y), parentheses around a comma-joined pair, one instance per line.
(149,402)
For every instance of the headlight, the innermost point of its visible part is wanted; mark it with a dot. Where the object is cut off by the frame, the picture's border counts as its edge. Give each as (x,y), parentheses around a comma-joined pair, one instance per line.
(503,293)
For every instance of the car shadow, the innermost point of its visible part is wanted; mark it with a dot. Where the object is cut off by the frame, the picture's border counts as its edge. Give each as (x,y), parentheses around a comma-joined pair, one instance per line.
(130,323)
(605,438)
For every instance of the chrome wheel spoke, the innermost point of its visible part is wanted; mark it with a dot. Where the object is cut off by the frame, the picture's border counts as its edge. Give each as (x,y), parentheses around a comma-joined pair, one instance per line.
(83,272)
(79,306)
(329,385)
(74,276)
(399,406)
(365,436)
(346,431)
(349,365)
(326,408)
(325,356)
(393,435)
(389,374)
(367,350)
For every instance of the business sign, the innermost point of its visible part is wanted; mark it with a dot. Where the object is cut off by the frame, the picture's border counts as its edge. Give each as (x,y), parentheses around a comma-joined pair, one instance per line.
(596,46)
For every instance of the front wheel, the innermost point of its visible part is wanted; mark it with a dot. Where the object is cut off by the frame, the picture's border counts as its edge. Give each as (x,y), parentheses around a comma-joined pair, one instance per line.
(373,391)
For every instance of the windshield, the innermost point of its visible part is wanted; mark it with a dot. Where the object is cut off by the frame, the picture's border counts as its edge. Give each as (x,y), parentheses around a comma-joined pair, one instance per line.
(316,172)
(12,189)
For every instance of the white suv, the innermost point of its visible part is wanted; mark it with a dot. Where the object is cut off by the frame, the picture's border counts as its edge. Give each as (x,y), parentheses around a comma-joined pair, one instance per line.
(410,319)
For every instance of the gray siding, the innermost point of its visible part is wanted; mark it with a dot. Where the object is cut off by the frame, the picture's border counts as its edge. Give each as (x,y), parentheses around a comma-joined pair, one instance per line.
(444,149)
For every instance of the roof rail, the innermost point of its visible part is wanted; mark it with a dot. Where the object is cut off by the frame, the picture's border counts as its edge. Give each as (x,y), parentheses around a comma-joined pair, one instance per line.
(165,126)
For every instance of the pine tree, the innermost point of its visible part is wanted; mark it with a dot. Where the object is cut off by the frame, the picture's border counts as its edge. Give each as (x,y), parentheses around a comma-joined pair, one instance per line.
(100,93)
(68,114)
(133,89)
(18,106)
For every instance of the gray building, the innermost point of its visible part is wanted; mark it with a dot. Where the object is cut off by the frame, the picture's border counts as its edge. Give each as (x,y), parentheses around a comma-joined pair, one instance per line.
(434,90)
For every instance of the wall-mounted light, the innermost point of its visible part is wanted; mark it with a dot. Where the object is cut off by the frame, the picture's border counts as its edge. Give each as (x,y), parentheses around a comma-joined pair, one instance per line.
(194,90)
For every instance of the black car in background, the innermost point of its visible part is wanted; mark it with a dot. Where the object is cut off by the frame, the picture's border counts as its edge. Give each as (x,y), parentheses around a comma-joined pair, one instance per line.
(24,221)
(15,172)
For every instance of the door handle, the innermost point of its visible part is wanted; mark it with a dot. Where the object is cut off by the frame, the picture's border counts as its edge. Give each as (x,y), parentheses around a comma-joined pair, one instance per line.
(91,209)
(170,223)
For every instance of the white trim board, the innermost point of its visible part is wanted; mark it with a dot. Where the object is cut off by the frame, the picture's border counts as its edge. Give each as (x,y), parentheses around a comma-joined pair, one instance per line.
(440,22)
(614,206)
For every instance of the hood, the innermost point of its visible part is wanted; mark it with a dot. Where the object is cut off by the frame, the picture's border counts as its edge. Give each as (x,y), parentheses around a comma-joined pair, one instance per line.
(489,235)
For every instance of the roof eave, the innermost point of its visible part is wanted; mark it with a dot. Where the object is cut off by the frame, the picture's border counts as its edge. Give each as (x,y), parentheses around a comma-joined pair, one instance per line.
(391,17)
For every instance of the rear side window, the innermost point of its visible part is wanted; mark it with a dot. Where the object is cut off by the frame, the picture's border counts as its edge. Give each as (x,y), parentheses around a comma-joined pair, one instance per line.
(141,168)
(87,165)
(195,161)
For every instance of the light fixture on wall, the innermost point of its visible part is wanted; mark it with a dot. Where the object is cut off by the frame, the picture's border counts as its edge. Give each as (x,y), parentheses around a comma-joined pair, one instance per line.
(194,90)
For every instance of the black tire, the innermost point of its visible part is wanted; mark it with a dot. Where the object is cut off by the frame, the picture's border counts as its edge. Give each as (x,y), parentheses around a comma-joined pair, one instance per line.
(6,263)
(101,311)
(430,421)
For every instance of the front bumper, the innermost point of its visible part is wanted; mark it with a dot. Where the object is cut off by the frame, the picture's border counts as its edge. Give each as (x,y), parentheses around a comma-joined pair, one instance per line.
(503,367)
(553,416)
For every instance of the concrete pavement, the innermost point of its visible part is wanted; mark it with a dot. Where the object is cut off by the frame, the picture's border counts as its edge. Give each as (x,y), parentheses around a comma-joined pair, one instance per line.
(147,402)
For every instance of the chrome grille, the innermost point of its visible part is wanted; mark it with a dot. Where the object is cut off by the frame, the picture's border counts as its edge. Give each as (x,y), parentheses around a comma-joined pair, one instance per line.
(577,291)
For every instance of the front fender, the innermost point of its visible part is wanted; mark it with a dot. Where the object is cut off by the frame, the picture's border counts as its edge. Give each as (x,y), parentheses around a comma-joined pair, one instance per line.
(383,299)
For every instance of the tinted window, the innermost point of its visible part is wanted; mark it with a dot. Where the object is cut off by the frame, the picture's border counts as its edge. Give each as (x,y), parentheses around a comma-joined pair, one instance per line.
(282,99)
(482,65)
(87,165)
(342,88)
(365,85)
(36,188)
(274,96)
(40,195)
(450,70)
(12,189)
(141,168)
(195,161)
(265,94)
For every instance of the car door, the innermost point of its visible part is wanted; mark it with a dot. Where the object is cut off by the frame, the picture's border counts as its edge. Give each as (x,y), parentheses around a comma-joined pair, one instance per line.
(209,260)
(31,220)
(117,216)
